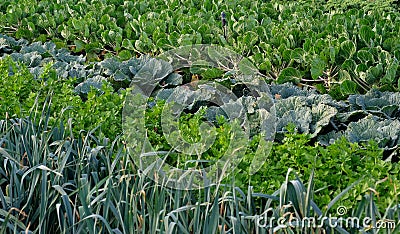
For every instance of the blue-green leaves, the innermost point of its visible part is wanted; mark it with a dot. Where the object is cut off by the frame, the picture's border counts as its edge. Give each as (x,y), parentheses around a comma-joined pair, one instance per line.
(306,113)
(383,131)
(312,113)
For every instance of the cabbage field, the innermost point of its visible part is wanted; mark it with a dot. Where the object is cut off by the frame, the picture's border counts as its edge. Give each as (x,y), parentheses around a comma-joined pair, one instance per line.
(167,116)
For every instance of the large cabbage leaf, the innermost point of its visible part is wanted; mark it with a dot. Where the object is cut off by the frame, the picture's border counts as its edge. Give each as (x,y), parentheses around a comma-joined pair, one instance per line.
(308,117)
(384,131)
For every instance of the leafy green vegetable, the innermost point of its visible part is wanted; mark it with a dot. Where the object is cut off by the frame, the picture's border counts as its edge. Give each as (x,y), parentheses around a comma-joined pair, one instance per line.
(306,41)
(102,106)
(59,93)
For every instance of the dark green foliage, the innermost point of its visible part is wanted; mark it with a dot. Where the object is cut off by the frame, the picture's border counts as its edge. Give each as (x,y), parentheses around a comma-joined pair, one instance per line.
(62,89)
(294,41)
